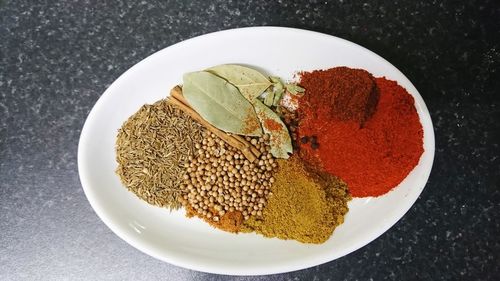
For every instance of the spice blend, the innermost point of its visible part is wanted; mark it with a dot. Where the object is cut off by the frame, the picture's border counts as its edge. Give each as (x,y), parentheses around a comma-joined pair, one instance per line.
(222,148)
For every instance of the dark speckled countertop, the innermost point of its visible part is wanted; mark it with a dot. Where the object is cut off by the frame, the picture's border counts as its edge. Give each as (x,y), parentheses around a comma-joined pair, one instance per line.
(57,58)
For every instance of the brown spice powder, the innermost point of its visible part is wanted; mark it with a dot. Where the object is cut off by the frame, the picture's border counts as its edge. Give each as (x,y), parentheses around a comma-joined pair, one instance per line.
(230,221)
(306,206)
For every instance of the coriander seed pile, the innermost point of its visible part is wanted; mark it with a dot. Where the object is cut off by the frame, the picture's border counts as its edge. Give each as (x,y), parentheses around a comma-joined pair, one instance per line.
(220,181)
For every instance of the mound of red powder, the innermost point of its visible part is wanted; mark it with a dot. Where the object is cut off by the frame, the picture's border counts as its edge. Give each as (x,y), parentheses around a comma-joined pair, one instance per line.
(371,159)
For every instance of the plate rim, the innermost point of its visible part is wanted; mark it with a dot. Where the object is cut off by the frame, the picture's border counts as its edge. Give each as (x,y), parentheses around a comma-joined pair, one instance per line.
(83,174)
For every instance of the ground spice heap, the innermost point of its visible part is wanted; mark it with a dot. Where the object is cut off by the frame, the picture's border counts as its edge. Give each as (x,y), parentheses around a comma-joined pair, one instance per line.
(371,159)
(152,148)
(341,93)
(224,188)
(305,205)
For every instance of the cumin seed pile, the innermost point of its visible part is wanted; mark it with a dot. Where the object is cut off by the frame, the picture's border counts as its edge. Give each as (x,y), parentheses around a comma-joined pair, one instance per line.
(152,148)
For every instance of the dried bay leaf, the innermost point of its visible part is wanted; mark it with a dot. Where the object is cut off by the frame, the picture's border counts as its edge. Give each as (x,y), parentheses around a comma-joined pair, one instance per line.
(277,96)
(275,80)
(278,88)
(220,103)
(280,142)
(269,99)
(250,82)
(294,89)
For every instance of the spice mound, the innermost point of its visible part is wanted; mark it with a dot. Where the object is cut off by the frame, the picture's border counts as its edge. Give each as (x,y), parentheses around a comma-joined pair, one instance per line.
(372,159)
(224,188)
(228,149)
(341,93)
(152,148)
(305,205)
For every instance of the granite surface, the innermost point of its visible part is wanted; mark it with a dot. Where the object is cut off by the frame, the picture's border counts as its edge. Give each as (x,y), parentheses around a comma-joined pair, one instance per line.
(57,58)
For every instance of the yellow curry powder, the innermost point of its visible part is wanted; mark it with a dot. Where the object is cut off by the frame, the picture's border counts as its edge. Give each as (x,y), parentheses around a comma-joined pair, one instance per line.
(305,205)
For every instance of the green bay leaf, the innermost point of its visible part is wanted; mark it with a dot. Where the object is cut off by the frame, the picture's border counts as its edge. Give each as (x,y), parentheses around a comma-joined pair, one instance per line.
(277,96)
(275,80)
(280,141)
(249,81)
(269,99)
(220,103)
(295,89)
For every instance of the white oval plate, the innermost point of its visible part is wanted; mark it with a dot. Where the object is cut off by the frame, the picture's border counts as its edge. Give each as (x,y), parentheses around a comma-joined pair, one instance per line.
(190,243)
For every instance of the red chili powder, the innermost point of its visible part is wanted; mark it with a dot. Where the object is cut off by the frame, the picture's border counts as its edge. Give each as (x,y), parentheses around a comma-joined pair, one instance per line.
(373,159)
(272,125)
(351,94)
